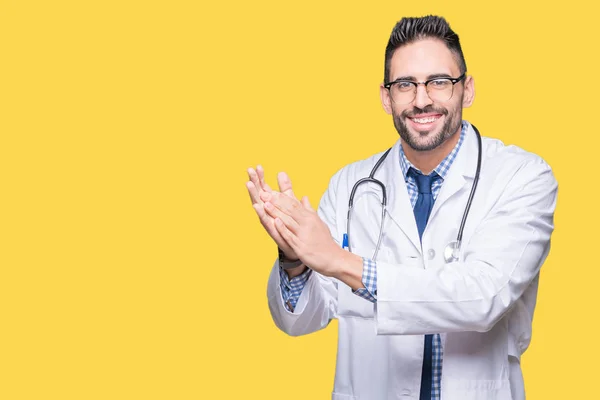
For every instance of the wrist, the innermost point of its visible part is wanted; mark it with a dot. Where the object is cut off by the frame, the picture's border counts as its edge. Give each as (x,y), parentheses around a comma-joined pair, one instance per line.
(349,269)
(285,262)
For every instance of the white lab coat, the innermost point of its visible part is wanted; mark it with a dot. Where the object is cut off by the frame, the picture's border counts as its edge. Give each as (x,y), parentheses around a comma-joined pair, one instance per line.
(481,305)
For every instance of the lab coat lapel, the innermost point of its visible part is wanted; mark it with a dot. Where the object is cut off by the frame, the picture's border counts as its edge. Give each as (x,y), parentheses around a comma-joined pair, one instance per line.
(399,207)
(463,166)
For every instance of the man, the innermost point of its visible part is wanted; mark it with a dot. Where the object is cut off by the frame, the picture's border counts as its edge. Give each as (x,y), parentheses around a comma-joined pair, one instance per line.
(417,319)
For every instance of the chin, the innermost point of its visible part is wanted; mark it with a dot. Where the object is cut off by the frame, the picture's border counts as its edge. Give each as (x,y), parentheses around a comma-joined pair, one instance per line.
(424,137)
(424,141)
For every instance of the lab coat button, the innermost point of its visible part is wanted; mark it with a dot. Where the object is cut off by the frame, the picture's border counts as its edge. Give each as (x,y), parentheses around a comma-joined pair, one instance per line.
(431,253)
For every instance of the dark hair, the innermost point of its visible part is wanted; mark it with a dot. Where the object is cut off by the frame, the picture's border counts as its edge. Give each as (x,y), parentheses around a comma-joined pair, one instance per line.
(409,30)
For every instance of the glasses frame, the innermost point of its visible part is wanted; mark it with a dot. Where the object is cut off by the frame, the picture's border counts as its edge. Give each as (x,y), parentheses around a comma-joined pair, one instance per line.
(454,81)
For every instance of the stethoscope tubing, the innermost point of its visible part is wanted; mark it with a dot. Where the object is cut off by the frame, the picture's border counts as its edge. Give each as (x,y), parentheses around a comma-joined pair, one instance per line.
(371,178)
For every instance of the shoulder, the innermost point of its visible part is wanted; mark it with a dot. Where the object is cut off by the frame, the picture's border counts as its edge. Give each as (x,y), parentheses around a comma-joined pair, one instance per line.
(514,163)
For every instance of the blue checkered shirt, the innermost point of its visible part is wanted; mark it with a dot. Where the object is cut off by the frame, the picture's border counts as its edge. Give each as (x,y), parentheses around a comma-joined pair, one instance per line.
(292,288)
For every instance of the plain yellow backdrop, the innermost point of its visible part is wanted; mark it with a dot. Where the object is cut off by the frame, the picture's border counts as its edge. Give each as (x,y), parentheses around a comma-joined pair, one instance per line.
(132,265)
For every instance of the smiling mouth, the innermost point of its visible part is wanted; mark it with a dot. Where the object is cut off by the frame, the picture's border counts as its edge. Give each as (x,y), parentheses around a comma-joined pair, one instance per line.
(426,120)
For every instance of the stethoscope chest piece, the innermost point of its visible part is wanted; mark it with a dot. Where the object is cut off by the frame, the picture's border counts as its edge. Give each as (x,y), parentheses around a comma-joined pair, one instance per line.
(452,251)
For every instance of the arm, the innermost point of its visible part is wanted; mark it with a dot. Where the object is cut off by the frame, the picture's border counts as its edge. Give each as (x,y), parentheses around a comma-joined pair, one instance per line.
(316,303)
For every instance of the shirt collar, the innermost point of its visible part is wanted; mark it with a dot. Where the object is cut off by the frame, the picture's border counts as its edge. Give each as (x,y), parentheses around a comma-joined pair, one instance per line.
(443,167)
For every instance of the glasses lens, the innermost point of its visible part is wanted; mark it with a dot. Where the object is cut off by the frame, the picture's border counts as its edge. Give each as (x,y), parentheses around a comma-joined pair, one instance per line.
(403,92)
(440,89)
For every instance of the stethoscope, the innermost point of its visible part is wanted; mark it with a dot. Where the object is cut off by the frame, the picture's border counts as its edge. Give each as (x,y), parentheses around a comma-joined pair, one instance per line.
(452,250)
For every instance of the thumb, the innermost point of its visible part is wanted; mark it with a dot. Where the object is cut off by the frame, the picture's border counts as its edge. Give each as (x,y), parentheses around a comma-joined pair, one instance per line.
(306,203)
(285,184)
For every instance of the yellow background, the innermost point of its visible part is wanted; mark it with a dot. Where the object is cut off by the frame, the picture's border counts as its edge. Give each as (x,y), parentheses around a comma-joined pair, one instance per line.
(131,263)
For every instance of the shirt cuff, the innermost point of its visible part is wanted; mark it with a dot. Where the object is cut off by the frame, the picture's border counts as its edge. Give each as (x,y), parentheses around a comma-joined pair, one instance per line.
(369,279)
(291,289)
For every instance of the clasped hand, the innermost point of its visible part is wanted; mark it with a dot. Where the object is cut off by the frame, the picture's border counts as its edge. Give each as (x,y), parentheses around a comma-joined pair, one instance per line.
(293,224)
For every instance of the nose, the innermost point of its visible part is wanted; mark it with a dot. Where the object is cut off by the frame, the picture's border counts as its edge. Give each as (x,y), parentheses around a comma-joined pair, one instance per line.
(422,98)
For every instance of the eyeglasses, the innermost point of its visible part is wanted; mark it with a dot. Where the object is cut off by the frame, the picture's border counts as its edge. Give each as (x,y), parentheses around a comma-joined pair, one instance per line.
(438,89)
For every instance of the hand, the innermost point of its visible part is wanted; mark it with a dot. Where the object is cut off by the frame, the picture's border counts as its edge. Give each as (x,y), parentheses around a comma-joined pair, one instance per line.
(304,231)
(257,187)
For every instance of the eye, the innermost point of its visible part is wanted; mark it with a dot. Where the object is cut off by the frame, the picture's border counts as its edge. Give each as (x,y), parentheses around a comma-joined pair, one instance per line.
(404,86)
(439,83)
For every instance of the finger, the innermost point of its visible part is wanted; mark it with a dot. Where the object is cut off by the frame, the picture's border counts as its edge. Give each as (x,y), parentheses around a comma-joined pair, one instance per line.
(266,220)
(274,212)
(285,184)
(306,203)
(253,175)
(261,176)
(269,224)
(290,206)
(253,192)
(286,234)
(260,211)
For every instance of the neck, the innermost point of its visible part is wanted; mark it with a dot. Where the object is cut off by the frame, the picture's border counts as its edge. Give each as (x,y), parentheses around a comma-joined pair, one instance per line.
(426,161)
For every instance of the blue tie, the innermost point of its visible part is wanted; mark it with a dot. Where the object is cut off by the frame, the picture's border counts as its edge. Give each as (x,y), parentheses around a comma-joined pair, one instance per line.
(422,210)
(425,200)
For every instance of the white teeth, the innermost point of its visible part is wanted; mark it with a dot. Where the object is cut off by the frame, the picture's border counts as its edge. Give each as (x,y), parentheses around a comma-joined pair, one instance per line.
(425,120)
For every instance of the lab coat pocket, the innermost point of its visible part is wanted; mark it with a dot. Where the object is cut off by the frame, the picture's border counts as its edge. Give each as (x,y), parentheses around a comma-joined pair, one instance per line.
(412,261)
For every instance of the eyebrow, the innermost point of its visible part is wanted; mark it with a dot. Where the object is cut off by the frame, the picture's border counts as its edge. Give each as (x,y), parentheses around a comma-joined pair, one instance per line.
(429,77)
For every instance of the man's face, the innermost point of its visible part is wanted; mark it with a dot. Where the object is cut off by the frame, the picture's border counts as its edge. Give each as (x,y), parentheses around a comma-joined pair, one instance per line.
(425,124)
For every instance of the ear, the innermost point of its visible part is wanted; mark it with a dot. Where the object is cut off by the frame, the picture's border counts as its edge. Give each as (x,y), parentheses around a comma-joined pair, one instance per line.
(386,100)
(469,94)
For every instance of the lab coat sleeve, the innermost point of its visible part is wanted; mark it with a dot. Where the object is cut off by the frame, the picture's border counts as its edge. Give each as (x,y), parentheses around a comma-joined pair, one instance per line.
(317,304)
(502,258)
